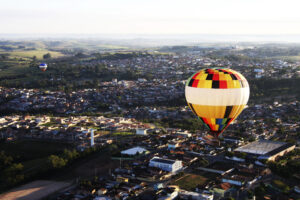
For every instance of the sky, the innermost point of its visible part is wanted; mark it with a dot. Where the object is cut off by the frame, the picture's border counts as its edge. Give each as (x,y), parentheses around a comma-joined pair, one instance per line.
(249,17)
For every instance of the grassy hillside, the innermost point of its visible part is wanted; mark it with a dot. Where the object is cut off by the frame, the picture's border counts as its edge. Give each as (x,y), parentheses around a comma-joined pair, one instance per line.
(38,53)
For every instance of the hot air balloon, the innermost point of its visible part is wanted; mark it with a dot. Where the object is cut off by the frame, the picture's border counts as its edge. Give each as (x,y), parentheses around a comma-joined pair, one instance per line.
(217,96)
(43,67)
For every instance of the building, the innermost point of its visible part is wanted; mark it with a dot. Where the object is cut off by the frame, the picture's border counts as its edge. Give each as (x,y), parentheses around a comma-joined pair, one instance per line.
(266,149)
(121,179)
(238,180)
(92,137)
(218,167)
(235,140)
(195,195)
(173,145)
(141,131)
(184,134)
(166,164)
(133,151)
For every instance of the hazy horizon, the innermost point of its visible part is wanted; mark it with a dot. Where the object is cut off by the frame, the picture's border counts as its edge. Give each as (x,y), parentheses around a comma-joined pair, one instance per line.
(160,39)
(140,17)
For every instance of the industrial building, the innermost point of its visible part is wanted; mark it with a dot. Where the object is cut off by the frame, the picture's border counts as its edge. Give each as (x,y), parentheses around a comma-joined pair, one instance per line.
(166,164)
(266,149)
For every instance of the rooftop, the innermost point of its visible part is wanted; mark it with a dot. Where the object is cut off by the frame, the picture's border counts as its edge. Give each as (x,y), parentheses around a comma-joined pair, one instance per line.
(134,150)
(161,160)
(221,166)
(262,147)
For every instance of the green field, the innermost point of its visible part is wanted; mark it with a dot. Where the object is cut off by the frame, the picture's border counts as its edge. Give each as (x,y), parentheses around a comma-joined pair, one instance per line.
(38,53)
(190,181)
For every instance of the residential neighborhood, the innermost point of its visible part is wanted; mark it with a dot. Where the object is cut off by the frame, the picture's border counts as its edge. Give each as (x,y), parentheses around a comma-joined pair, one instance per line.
(133,136)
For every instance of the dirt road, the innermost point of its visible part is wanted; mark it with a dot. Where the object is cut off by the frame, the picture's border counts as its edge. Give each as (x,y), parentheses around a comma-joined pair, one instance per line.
(34,190)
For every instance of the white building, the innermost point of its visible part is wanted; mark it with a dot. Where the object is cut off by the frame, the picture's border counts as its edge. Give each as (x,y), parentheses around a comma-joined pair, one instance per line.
(134,151)
(166,164)
(141,131)
(195,195)
(92,137)
(173,145)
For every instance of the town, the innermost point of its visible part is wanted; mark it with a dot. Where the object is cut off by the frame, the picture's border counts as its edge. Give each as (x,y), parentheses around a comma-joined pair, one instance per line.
(139,139)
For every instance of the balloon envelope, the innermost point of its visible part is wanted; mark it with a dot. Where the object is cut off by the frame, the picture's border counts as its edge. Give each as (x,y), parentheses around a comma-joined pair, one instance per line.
(43,67)
(217,96)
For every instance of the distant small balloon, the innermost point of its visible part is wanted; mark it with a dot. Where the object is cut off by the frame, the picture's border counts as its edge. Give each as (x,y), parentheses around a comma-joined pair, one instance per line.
(43,67)
(217,96)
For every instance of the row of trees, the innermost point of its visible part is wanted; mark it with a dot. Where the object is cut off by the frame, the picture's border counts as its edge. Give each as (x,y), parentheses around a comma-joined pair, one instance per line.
(287,166)
(11,171)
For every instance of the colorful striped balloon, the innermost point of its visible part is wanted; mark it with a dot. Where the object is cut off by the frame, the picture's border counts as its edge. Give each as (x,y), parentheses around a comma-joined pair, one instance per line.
(217,96)
(43,67)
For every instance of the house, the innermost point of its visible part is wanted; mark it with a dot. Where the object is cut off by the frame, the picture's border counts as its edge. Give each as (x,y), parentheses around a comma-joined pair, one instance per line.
(239,179)
(234,180)
(297,189)
(183,134)
(102,191)
(166,164)
(141,131)
(121,179)
(173,145)
(168,193)
(235,140)
(221,189)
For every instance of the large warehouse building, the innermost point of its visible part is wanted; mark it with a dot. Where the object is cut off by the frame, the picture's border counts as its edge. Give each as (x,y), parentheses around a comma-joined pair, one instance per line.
(266,149)
(166,164)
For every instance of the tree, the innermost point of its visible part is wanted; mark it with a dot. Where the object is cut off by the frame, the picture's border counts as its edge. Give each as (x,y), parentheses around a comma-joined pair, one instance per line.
(56,161)
(14,174)
(5,160)
(70,155)
(260,191)
(204,162)
(47,56)
(250,194)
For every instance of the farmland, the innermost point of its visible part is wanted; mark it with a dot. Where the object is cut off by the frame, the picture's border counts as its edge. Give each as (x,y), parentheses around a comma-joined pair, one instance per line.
(38,53)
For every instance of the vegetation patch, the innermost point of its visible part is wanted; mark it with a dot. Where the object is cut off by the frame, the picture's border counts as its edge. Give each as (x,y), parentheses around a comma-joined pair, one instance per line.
(190,181)
(23,150)
(280,185)
(38,53)
(122,133)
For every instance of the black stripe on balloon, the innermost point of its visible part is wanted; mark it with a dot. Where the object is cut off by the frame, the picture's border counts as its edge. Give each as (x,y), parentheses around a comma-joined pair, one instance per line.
(228,111)
(242,84)
(233,77)
(191,82)
(209,77)
(228,120)
(201,120)
(192,108)
(215,84)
